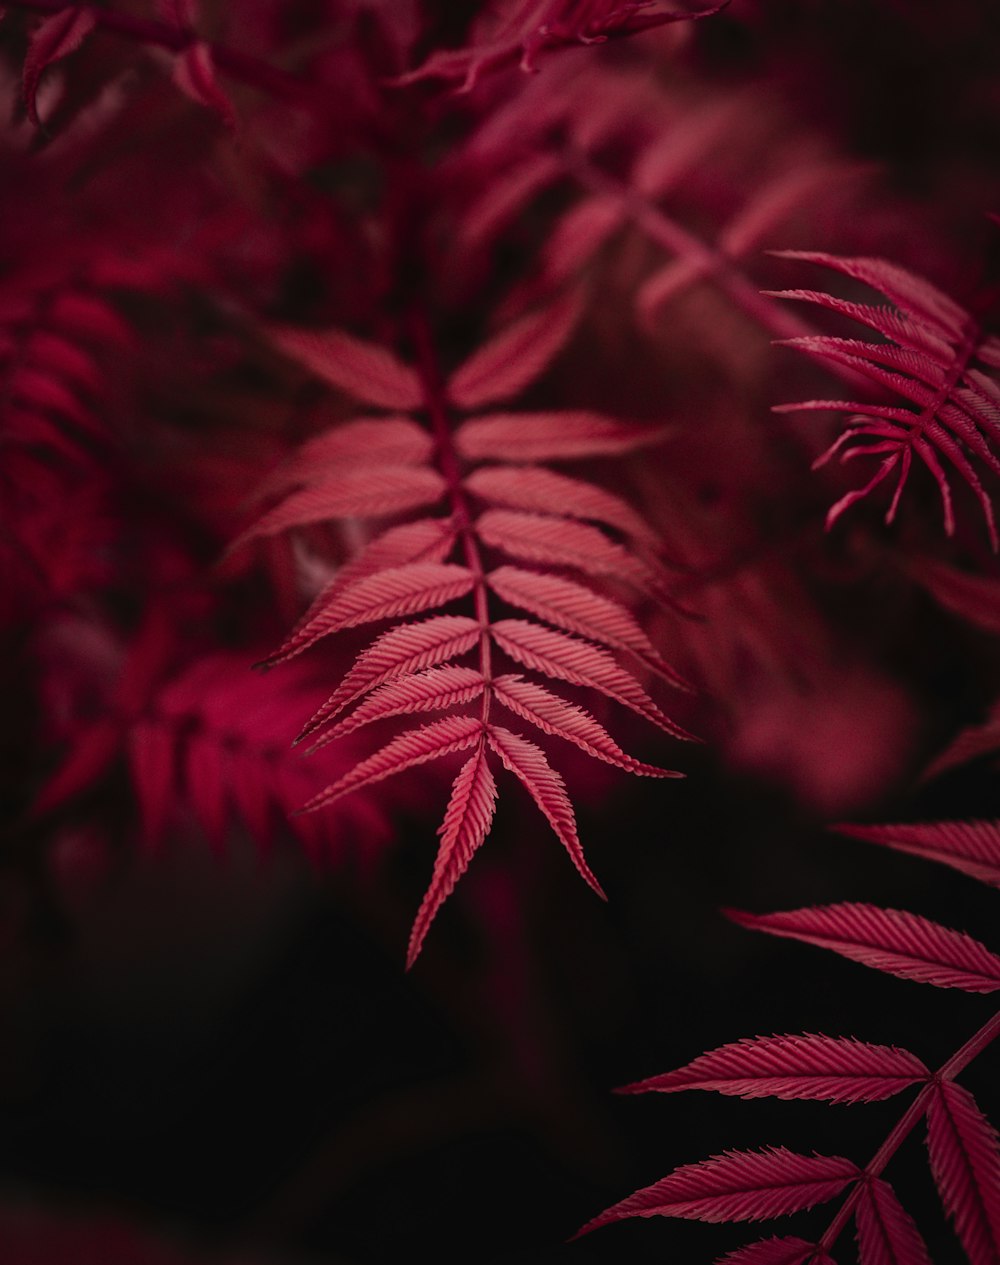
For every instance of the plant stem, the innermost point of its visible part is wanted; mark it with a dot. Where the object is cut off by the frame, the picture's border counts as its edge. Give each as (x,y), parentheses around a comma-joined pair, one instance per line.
(904,1126)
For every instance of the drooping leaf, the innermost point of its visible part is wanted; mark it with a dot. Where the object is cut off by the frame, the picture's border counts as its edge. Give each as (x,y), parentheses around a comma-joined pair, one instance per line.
(563,436)
(544,491)
(393,591)
(528,763)
(426,540)
(365,493)
(738,1186)
(364,370)
(415,746)
(889,940)
(553,715)
(467,822)
(361,442)
(975,598)
(965,1161)
(398,652)
(578,662)
(55,37)
(511,361)
(569,605)
(886,1232)
(837,1069)
(970,846)
(432,690)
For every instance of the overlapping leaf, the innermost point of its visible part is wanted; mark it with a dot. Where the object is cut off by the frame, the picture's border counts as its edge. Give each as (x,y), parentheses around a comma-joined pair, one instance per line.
(886,1232)
(965,1161)
(970,846)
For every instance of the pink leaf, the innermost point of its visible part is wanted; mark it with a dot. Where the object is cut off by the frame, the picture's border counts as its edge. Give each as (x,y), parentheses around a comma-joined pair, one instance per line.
(426,540)
(783,1251)
(400,651)
(433,690)
(534,488)
(515,357)
(467,822)
(560,542)
(553,715)
(56,37)
(363,442)
(571,606)
(546,788)
(416,746)
(738,1186)
(970,846)
(975,598)
(886,1233)
(194,74)
(568,659)
(889,940)
(965,1162)
(390,592)
(566,436)
(368,372)
(365,493)
(837,1069)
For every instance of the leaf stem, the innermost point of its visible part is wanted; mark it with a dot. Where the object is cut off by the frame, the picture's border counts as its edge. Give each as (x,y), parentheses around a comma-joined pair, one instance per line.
(436,401)
(906,1123)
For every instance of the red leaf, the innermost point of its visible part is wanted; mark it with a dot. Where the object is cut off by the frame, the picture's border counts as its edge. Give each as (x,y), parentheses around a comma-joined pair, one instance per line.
(560,542)
(782,1251)
(55,38)
(838,1069)
(416,746)
(389,592)
(886,1233)
(194,74)
(738,1186)
(354,445)
(568,659)
(435,689)
(396,653)
(364,370)
(467,822)
(571,606)
(511,361)
(427,540)
(553,715)
(564,436)
(889,940)
(533,488)
(965,1162)
(529,765)
(970,846)
(365,493)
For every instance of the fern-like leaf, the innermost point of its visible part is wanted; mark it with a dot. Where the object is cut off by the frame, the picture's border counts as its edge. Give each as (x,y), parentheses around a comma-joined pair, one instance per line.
(973,847)
(936,360)
(433,690)
(886,1232)
(965,1161)
(889,940)
(837,1069)
(738,1186)
(564,436)
(366,371)
(466,824)
(553,715)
